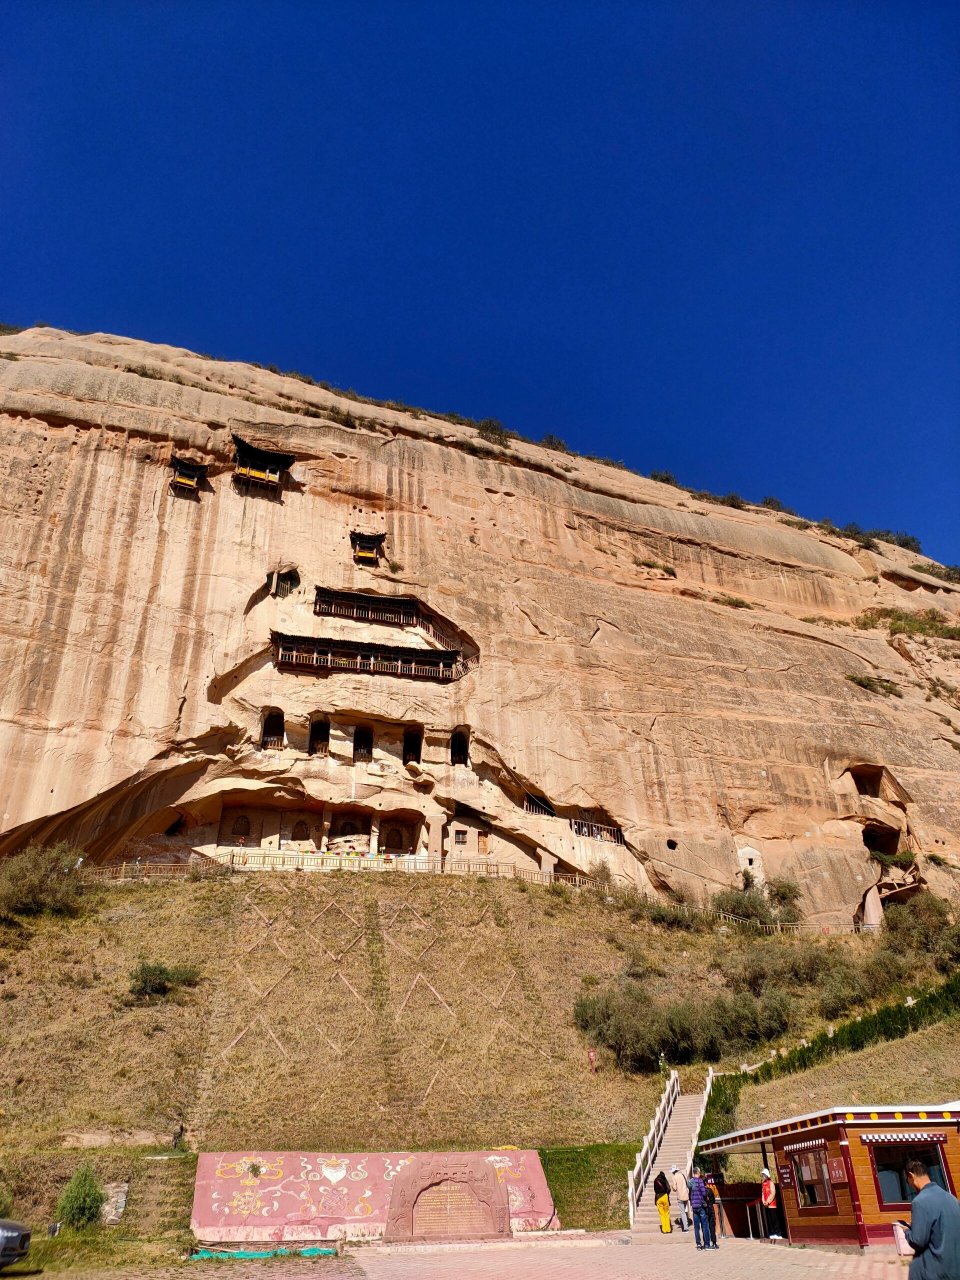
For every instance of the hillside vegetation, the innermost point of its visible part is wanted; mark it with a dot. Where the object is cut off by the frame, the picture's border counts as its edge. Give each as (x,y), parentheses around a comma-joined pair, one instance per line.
(361,1012)
(923,1067)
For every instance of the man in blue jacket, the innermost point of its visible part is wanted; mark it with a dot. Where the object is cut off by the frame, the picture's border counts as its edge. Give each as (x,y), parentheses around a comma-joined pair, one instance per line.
(701,1213)
(934,1231)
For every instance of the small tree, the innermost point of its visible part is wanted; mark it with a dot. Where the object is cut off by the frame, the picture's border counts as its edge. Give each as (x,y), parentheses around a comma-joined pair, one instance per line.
(41,878)
(82,1199)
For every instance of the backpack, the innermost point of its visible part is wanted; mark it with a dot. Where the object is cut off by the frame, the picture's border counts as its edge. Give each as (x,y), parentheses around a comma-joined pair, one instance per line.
(709,1195)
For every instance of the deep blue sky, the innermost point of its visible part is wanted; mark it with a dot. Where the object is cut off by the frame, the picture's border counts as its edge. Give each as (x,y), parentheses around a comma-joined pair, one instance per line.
(717,238)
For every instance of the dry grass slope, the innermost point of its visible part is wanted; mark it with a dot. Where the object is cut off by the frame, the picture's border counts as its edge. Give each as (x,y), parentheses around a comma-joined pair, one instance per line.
(923,1067)
(341,1011)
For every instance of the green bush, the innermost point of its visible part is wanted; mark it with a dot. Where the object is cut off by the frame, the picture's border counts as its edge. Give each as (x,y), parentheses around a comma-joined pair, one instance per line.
(889,1022)
(665,477)
(733,602)
(550,441)
(81,1200)
(639,1030)
(917,923)
(887,968)
(877,684)
(41,879)
(948,572)
(748,904)
(924,622)
(152,979)
(840,992)
(784,896)
(946,953)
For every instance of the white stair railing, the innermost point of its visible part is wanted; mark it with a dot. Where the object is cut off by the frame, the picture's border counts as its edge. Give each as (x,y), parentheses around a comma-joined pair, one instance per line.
(711,1076)
(639,1175)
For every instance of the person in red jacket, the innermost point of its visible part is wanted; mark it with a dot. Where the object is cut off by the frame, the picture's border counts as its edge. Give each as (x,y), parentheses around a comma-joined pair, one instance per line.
(771,1210)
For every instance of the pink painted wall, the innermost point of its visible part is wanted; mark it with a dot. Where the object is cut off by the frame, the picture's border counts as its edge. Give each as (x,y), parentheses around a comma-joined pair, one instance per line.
(296,1195)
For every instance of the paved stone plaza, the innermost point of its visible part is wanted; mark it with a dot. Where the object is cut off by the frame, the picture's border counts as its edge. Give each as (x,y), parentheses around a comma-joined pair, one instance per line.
(604,1257)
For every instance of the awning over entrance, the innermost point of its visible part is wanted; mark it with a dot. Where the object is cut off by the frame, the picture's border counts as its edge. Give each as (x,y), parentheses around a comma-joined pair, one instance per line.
(753,1140)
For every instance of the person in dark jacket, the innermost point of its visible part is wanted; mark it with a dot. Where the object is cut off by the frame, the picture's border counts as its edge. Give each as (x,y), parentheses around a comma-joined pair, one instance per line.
(934,1231)
(661,1191)
(701,1215)
(712,1210)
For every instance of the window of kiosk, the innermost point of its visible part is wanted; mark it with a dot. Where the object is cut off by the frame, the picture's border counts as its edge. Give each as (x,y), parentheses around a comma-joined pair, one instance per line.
(812,1178)
(890,1162)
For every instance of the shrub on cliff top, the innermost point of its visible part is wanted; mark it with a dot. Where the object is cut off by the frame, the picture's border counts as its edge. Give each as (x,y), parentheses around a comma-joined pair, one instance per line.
(41,879)
(926,622)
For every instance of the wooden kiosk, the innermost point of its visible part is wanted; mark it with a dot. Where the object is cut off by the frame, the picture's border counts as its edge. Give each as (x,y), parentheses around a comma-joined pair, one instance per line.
(841,1173)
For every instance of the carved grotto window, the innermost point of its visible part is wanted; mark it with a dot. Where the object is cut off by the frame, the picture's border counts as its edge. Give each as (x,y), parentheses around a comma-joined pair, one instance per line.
(301,831)
(272,737)
(362,744)
(319,740)
(412,745)
(241,826)
(460,746)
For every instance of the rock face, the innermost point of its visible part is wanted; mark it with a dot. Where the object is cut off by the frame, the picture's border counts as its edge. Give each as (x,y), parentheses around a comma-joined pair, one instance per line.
(605,693)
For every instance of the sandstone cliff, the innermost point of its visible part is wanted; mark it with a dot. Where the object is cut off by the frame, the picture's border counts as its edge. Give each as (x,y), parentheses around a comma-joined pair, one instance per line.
(138,666)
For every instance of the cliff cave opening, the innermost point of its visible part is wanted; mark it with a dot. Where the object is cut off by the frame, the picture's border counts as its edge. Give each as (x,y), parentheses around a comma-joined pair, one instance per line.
(460,746)
(272,737)
(284,583)
(867,778)
(362,743)
(318,743)
(412,745)
(879,838)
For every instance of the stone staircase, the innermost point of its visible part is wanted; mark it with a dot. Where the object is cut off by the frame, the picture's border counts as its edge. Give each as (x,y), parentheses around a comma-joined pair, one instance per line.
(676,1147)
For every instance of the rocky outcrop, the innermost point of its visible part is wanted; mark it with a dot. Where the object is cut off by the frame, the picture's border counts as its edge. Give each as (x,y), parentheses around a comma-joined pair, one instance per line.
(622,705)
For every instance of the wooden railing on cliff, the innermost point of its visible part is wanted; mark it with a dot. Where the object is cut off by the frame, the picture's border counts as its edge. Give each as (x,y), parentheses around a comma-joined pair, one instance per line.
(240,860)
(246,859)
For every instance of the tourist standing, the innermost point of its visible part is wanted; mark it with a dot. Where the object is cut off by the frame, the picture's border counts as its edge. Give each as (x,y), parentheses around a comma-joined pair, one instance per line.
(661,1191)
(701,1216)
(712,1210)
(678,1184)
(771,1211)
(934,1231)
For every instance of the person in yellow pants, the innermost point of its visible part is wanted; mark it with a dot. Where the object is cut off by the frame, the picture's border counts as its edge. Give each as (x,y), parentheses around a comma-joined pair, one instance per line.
(661,1190)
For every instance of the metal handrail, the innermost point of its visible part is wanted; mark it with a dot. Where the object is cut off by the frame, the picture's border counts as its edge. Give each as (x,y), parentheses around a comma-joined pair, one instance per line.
(595,831)
(639,1175)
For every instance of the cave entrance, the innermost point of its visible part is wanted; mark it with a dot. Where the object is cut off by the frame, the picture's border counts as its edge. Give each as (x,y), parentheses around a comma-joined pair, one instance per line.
(879,838)
(412,745)
(273,731)
(362,744)
(867,778)
(460,746)
(319,742)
